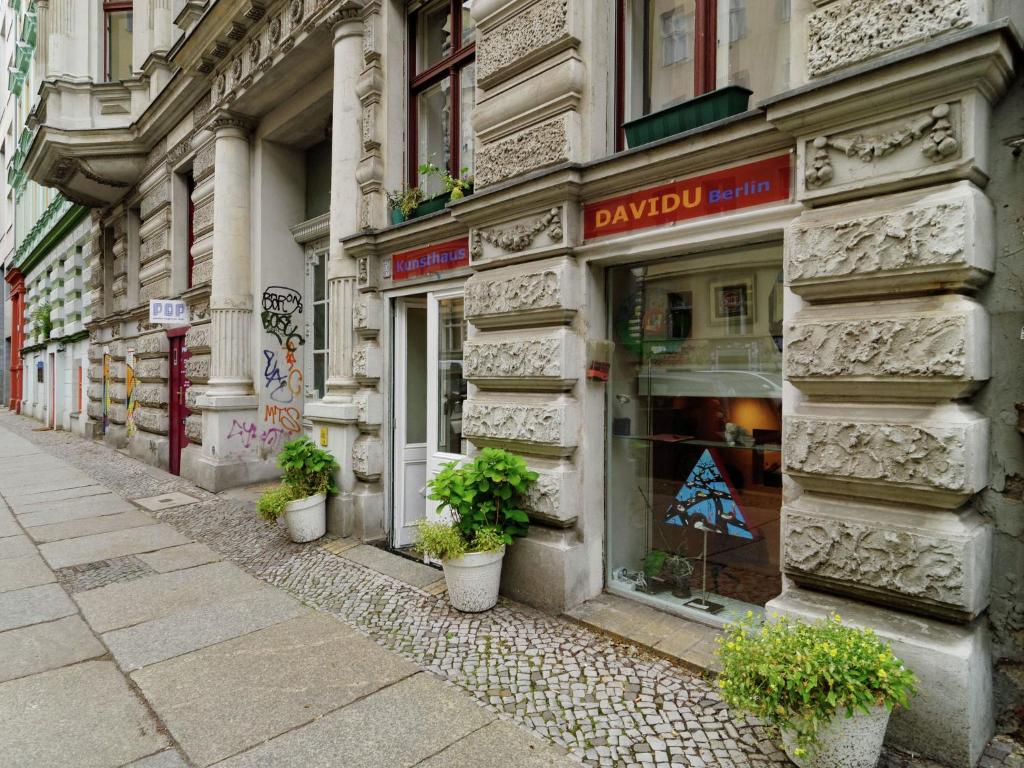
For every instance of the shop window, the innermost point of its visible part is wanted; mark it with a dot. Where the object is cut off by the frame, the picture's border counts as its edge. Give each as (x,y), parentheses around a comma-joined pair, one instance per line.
(117,24)
(442,83)
(695,410)
(671,51)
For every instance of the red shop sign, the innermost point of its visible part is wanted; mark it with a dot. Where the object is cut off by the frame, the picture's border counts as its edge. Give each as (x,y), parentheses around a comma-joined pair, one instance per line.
(743,186)
(433,258)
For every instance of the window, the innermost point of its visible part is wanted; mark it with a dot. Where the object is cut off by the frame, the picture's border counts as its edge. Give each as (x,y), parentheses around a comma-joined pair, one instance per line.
(190,239)
(694,481)
(117,22)
(670,51)
(442,86)
(320,309)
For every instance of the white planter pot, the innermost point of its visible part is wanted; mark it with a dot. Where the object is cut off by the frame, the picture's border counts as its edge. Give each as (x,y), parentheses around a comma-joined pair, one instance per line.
(306,518)
(473,580)
(844,742)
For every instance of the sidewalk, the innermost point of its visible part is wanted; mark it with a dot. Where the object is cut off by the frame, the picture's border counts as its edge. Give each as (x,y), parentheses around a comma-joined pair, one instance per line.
(211,635)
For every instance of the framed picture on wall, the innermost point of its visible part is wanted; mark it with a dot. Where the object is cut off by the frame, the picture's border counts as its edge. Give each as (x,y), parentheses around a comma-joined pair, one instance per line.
(732,299)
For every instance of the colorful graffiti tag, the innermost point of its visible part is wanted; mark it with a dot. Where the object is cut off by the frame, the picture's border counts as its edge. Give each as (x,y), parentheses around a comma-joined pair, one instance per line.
(130,400)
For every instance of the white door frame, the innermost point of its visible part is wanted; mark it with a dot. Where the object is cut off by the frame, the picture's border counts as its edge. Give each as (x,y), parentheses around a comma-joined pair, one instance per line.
(402,534)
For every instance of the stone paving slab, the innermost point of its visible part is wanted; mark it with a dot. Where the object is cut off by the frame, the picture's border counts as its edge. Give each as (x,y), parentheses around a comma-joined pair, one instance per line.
(179,558)
(78,492)
(8,525)
(102,546)
(122,605)
(396,727)
(40,647)
(89,525)
(228,697)
(71,509)
(167,759)
(86,710)
(164,638)
(100,573)
(504,745)
(16,546)
(42,479)
(395,566)
(25,571)
(33,605)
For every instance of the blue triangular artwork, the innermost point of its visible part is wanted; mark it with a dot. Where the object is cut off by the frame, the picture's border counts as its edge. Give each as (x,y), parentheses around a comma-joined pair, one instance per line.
(707,496)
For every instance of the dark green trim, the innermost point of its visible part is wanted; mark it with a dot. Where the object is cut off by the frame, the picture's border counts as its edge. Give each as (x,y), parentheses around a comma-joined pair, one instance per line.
(51,238)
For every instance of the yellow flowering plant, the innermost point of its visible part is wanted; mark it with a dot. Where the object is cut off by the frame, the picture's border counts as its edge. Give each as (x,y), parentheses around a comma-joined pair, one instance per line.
(798,676)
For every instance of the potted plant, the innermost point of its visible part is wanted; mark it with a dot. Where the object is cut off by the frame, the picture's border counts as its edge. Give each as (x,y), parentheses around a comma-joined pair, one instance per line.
(481,498)
(677,571)
(458,187)
(666,571)
(828,687)
(402,202)
(687,115)
(302,496)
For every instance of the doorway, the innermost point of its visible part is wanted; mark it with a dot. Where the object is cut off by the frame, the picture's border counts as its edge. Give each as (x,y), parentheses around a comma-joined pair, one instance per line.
(429,395)
(178,412)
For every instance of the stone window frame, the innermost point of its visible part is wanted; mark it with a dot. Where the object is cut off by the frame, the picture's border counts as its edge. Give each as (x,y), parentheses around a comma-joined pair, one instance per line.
(314,253)
(449,67)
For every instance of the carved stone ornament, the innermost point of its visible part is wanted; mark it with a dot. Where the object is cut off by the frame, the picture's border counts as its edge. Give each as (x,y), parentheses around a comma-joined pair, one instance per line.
(935,127)
(218,87)
(295,11)
(519,237)
(274,30)
(254,51)
(236,69)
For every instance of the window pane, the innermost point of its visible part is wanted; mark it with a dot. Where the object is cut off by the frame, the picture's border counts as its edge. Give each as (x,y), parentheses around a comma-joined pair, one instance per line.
(416,375)
(695,401)
(467,24)
(319,373)
(320,277)
(467,100)
(119,45)
(433,35)
(671,48)
(755,52)
(451,386)
(433,123)
(319,326)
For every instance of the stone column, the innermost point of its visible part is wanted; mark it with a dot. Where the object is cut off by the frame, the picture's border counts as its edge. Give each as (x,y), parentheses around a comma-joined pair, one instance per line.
(337,413)
(231,286)
(229,404)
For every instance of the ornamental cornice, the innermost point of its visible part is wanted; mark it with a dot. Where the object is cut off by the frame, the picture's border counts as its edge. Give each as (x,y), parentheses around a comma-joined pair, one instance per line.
(519,237)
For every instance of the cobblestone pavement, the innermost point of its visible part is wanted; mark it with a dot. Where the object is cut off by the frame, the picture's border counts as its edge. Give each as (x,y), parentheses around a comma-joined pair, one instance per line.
(609,703)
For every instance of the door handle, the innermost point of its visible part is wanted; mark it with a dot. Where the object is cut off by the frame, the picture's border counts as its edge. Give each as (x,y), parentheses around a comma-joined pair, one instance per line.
(423,491)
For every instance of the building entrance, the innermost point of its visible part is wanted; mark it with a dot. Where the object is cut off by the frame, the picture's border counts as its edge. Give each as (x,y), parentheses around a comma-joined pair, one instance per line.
(429,393)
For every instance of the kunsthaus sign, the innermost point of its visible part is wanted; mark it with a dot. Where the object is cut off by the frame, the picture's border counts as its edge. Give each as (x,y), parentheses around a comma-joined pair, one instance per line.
(742,186)
(433,258)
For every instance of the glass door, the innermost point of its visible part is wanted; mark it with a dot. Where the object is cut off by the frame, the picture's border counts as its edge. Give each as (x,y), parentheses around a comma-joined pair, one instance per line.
(446,388)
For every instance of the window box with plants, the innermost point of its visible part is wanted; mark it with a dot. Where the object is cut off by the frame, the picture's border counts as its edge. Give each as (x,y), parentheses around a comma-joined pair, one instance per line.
(482,498)
(411,202)
(687,115)
(302,496)
(828,687)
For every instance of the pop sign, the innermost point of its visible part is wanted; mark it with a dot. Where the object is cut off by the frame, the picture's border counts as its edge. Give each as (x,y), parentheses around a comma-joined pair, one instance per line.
(168,311)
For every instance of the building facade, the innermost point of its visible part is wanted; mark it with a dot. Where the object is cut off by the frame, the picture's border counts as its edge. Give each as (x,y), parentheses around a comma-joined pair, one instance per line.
(739,279)
(44,268)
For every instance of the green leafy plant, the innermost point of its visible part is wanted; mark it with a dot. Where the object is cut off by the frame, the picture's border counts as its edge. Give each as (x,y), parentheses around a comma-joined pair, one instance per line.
(459,186)
(308,471)
(41,320)
(798,676)
(485,493)
(405,199)
(440,540)
(653,563)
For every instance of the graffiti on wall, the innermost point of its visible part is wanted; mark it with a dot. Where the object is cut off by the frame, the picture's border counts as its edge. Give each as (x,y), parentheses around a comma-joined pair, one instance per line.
(130,391)
(106,392)
(249,434)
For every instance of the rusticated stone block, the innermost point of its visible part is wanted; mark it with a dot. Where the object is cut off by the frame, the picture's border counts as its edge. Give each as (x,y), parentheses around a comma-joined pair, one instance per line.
(94,410)
(367,314)
(202,166)
(931,348)
(197,338)
(368,457)
(534,293)
(194,429)
(916,559)
(94,391)
(197,368)
(152,420)
(152,344)
(151,395)
(519,41)
(543,427)
(367,361)
(155,199)
(554,499)
(370,407)
(851,31)
(518,360)
(934,456)
(153,369)
(909,242)
(535,147)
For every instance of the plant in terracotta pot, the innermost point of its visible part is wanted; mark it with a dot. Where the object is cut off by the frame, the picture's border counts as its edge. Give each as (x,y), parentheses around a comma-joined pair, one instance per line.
(828,687)
(302,496)
(482,499)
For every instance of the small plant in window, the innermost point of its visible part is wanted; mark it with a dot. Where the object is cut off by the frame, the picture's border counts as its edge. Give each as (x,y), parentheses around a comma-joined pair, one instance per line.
(41,320)
(404,201)
(459,186)
(429,170)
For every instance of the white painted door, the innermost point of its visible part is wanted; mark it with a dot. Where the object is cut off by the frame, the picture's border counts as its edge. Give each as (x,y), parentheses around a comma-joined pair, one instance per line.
(446,387)
(410,398)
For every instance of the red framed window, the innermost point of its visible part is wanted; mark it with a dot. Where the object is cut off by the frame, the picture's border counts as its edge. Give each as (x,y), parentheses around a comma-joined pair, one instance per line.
(669,51)
(117,40)
(442,90)
(190,186)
